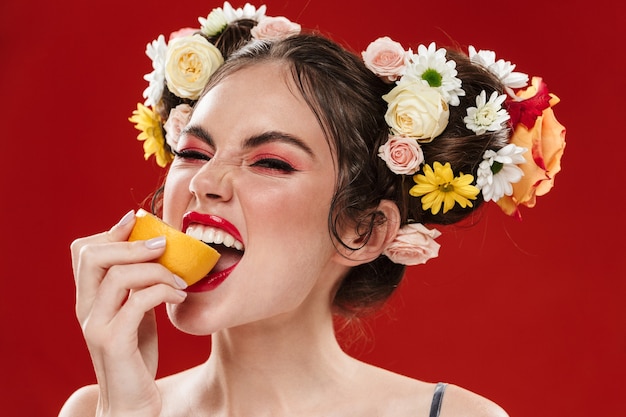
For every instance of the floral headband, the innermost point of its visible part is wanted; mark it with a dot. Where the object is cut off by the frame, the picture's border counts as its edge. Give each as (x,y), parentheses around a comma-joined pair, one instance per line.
(182,67)
(418,111)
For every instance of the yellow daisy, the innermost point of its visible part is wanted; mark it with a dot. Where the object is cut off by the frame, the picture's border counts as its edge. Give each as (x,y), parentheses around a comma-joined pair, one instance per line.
(149,123)
(441,186)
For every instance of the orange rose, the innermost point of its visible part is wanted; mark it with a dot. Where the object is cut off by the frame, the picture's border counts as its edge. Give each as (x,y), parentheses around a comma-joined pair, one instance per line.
(546,143)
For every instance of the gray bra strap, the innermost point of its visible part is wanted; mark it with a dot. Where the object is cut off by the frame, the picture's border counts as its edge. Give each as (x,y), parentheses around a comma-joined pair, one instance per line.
(435,407)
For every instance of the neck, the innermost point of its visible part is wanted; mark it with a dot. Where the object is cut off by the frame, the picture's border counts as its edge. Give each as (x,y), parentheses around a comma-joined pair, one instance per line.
(279,366)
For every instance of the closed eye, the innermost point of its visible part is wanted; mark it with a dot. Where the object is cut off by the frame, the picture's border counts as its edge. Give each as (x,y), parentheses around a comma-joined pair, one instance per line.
(191,154)
(274,165)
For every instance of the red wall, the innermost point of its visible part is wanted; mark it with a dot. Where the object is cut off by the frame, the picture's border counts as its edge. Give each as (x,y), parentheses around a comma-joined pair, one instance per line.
(529,314)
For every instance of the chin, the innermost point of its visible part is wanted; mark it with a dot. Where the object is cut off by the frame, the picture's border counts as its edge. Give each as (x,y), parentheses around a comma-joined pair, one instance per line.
(196,321)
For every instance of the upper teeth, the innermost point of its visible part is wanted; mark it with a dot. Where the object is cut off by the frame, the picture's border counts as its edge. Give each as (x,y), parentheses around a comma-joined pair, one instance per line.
(209,234)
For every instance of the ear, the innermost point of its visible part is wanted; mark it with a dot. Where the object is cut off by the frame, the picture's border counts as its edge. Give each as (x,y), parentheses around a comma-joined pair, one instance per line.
(382,234)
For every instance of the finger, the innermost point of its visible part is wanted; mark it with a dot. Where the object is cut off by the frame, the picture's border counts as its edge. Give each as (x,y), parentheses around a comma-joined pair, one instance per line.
(121,279)
(126,323)
(119,232)
(96,259)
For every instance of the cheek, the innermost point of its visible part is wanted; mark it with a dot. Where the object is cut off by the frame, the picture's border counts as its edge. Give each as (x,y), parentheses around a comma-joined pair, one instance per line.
(293,225)
(303,207)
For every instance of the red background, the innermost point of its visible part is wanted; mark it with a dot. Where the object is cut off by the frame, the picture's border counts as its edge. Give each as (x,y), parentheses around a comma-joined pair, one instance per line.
(530,314)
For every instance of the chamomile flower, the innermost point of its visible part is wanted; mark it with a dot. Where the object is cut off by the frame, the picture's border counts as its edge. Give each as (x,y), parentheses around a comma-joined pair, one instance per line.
(487,115)
(219,18)
(500,68)
(438,186)
(247,12)
(156,51)
(498,171)
(214,23)
(149,123)
(431,66)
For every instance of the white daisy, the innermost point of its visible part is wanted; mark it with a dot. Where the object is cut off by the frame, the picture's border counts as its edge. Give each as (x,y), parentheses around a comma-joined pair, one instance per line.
(500,68)
(248,12)
(430,65)
(156,51)
(214,23)
(498,171)
(487,115)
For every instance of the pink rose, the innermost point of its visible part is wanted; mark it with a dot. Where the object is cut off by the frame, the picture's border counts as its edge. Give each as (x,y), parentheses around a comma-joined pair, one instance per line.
(546,141)
(414,244)
(386,58)
(402,154)
(180,33)
(178,118)
(274,28)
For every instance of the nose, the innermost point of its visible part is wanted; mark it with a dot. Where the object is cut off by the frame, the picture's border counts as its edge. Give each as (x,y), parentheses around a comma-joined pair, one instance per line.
(212,181)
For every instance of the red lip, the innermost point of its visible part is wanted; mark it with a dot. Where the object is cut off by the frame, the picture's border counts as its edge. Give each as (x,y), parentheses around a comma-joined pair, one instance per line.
(210,220)
(213,279)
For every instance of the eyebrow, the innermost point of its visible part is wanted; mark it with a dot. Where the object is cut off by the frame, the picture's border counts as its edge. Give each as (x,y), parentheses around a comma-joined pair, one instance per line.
(253,141)
(198,132)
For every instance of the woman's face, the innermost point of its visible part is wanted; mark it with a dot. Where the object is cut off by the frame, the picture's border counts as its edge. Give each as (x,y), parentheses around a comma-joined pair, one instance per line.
(253,166)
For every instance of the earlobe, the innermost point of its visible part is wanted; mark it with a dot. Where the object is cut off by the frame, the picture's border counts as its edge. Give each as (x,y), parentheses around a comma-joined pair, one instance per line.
(366,249)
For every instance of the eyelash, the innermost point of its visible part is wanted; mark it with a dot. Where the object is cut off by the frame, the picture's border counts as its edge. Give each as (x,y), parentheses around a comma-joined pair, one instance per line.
(190,154)
(267,163)
(275,165)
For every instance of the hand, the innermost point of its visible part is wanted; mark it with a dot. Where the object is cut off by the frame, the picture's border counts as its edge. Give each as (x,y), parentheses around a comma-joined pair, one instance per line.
(117,288)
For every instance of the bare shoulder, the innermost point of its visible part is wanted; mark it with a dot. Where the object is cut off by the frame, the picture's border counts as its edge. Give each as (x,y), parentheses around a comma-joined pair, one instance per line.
(458,401)
(398,395)
(81,403)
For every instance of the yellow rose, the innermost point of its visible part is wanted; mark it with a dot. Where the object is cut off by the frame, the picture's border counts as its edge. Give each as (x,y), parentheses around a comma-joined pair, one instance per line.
(546,143)
(189,63)
(416,110)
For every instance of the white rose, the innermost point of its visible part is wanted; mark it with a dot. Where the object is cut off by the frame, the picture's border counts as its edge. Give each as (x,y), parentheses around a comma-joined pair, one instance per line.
(189,63)
(416,110)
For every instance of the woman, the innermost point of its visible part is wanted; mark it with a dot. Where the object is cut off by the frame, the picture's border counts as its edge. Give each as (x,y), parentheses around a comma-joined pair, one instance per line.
(320,175)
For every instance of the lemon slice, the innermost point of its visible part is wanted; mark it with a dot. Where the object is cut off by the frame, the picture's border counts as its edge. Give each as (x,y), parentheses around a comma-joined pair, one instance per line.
(185,256)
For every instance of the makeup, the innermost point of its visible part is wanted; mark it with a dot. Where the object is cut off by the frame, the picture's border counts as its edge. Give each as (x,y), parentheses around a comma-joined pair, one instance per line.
(220,235)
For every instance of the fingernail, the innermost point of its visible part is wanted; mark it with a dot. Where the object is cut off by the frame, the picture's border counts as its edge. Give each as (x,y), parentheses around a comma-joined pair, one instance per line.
(182,293)
(180,283)
(127,218)
(155,243)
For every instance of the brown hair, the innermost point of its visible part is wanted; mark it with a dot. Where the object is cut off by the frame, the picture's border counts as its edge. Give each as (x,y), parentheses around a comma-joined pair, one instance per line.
(346,97)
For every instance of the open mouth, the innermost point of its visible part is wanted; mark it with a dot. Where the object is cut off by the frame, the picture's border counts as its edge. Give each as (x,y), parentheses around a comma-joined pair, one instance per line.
(229,247)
